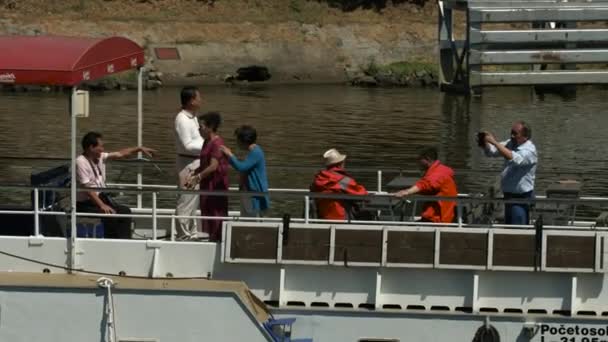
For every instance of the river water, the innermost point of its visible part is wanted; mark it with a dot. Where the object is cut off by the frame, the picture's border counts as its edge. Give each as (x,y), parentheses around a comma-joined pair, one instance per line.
(376,128)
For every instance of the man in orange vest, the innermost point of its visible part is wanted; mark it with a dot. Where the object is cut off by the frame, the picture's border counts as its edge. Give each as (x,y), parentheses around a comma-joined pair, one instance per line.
(335,180)
(438,180)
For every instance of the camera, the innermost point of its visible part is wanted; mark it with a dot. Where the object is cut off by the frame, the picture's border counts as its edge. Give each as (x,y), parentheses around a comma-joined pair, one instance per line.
(481,139)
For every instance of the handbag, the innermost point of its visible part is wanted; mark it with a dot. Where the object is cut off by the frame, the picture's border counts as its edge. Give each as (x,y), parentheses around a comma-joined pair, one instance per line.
(107,198)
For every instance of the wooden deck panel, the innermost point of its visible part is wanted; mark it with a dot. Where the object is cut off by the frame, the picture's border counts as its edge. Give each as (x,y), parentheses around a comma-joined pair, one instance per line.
(463,249)
(514,250)
(307,244)
(253,243)
(358,245)
(410,247)
(571,251)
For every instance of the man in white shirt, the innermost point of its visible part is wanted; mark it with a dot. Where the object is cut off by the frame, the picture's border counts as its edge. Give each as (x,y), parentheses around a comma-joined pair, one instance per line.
(188,143)
(91,173)
(519,171)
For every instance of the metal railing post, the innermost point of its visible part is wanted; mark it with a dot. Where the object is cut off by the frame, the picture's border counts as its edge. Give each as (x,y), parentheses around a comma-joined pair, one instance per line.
(154,223)
(459,213)
(140,116)
(36,216)
(306,208)
(379,180)
(173,227)
(73,185)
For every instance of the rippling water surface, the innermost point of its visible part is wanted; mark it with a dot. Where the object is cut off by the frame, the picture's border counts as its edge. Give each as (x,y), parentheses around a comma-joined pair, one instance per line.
(377,128)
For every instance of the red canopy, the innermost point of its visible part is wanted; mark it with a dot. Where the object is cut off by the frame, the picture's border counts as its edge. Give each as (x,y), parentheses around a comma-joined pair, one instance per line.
(55,60)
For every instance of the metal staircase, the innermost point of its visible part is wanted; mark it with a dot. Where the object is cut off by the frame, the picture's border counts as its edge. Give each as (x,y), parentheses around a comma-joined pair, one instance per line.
(523,42)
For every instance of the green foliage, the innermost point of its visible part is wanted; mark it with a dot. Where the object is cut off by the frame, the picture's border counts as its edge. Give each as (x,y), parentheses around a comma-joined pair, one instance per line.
(400,69)
(295,6)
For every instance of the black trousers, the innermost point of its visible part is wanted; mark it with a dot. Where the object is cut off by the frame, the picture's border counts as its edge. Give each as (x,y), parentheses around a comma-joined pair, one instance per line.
(114,227)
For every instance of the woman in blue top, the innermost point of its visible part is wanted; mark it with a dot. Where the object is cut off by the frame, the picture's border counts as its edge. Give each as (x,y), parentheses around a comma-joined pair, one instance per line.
(252,170)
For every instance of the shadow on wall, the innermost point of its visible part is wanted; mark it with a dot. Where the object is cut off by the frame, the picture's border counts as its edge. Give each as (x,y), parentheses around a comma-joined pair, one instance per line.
(377,5)
(252,73)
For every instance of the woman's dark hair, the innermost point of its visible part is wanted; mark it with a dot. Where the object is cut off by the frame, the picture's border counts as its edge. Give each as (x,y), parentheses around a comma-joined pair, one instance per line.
(187,94)
(429,153)
(90,139)
(212,120)
(246,135)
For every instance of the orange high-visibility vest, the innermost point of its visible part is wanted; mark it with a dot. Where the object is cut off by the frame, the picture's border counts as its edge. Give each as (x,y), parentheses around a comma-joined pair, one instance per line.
(334,180)
(438,181)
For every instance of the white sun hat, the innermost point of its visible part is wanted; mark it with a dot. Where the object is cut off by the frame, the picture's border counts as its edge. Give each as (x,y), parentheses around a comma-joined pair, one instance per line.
(332,156)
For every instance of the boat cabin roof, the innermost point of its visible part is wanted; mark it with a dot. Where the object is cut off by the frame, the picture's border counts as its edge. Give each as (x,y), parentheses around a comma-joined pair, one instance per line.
(65,61)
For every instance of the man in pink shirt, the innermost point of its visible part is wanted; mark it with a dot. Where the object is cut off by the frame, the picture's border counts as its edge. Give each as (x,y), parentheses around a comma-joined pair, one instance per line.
(91,173)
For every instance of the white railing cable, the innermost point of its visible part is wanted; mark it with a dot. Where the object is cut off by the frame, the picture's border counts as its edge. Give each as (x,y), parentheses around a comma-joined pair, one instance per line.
(314,167)
(583,225)
(463,198)
(163,214)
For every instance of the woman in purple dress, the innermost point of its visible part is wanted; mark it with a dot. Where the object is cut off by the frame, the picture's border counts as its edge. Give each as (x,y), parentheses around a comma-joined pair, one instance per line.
(213,175)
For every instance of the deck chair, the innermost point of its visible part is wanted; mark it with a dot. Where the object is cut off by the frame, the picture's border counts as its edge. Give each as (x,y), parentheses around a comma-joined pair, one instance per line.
(560,213)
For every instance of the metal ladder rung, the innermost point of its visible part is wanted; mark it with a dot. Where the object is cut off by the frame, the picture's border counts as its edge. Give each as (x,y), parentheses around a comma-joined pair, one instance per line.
(478,36)
(539,77)
(527,14)
(562,56)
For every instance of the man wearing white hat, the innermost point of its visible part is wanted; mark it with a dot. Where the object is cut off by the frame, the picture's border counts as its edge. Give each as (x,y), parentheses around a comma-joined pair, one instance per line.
(334,179)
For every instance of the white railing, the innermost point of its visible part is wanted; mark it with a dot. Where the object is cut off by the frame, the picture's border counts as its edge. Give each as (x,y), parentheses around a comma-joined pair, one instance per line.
(332,245)
(307,196)
(155,215)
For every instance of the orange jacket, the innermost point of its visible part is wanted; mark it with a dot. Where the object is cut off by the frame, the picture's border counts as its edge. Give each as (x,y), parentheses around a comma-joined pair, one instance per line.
(334,180)
(438,181)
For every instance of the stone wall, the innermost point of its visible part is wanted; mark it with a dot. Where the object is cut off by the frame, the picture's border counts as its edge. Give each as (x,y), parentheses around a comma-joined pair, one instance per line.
(294,52)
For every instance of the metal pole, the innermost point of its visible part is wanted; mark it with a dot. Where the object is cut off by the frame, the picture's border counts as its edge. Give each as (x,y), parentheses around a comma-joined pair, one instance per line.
(140,122)
(173,227)
(111,322)
(36,216)
(459,212)
(306,209)
(446,57)
(107,283)
(154,234)
(379,180)
(72,245)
